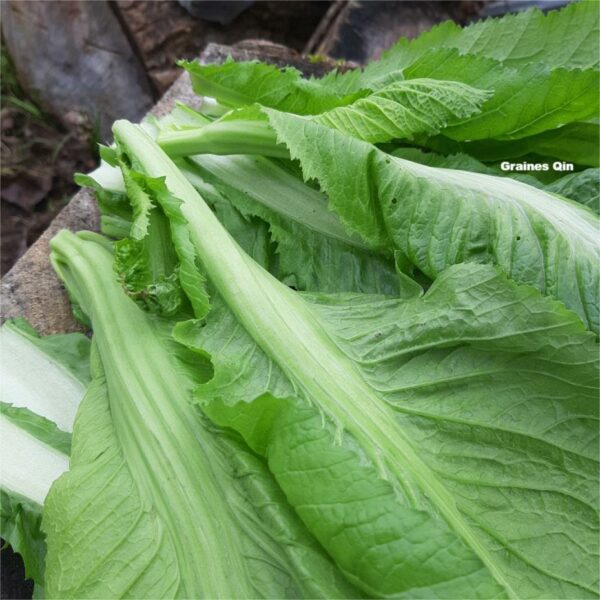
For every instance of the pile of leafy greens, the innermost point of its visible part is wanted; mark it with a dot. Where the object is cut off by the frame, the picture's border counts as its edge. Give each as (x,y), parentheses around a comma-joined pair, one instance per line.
(337,352)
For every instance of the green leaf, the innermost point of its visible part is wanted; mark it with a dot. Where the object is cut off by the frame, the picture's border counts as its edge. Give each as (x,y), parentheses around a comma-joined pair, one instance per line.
(527,101)
(437,218)
(561,38)
(155,260)
(539,176)
(251,233)
(158,292)
(181,117)
(574,142)
(457,375)
(399,110)
(405,108)
(533,109)
(305,245)
(107,154)
(157,503)
(144,255)
(141,203)
(540,83)
(20,524)
(79,563)
(583,187)
(190,277)
(148,267)
(37,426)
(240,83)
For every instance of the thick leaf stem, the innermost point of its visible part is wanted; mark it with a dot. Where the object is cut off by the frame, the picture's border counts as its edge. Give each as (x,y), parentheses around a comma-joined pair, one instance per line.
(165,449)
(224,137)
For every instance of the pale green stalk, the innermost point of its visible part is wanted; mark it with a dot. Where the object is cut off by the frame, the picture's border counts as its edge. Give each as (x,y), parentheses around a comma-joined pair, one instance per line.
(166,449)
(287,330)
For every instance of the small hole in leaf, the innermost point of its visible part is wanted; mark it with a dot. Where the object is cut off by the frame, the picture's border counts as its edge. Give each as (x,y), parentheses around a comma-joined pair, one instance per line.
(394,201)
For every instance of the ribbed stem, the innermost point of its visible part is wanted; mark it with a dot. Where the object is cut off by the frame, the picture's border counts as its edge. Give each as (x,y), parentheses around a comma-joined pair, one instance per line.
(171,457)
(224,137)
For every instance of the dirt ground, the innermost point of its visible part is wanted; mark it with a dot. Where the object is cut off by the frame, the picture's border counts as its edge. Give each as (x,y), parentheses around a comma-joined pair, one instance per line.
(38,158)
